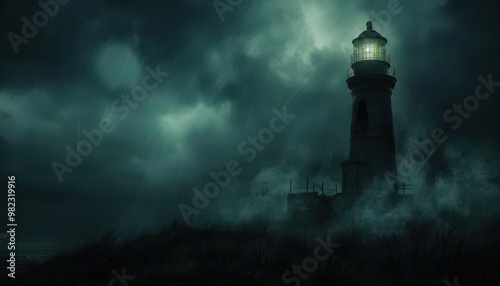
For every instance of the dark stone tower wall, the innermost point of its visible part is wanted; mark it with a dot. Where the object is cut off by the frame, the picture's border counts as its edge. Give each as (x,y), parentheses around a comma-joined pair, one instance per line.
(372,148)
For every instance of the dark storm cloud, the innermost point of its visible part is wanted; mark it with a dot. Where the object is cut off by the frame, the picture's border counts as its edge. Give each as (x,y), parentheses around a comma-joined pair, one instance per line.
(225,79)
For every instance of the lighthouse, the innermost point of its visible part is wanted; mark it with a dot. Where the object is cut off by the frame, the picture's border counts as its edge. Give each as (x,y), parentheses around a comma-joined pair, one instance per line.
(372,155)
(371,80)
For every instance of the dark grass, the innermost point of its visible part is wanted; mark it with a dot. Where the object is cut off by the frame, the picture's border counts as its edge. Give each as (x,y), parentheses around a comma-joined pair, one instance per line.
(422,252)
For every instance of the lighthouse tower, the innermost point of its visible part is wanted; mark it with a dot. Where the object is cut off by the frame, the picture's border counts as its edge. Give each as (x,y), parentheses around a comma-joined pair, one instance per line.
(371,79)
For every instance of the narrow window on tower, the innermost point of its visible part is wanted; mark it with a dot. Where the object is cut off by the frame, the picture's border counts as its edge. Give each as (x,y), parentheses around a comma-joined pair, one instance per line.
(362,114)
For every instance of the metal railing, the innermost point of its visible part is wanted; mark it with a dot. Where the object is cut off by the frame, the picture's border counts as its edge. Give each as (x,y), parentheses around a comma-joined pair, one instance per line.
(362,55)
(391,71)
(350,73)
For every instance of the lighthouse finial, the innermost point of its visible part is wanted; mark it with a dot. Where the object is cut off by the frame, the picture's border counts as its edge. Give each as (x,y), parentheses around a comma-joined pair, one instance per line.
(369,25)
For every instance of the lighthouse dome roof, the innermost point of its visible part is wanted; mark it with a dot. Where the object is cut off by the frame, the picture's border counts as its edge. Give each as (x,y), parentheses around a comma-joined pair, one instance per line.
(369,33)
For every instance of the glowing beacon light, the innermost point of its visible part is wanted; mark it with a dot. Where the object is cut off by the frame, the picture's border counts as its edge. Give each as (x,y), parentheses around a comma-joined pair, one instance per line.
(370,46)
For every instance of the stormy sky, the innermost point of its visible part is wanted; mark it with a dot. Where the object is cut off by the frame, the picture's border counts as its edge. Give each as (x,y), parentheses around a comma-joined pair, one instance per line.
(216,78)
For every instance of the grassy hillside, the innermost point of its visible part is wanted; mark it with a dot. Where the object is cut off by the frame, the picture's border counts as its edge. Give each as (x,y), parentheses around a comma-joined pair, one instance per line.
(422,252)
